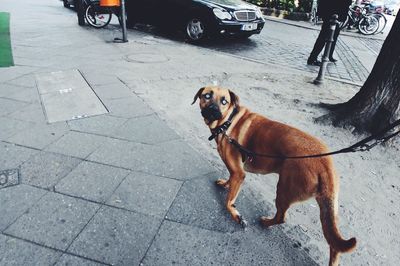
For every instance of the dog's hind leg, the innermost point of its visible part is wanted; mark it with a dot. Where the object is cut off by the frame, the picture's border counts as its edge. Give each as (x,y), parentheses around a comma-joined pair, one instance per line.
(286,195)
(282,205)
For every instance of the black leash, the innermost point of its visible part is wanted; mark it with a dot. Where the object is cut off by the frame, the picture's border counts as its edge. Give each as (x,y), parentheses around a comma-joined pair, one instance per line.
(362,145)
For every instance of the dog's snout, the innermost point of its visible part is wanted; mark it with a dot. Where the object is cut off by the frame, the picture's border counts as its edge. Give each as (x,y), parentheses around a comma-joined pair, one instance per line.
(211,112)
(214,107)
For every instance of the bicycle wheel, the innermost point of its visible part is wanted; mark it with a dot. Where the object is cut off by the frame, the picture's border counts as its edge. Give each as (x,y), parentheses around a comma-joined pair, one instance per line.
(98,16)
(382,22)
(368,25)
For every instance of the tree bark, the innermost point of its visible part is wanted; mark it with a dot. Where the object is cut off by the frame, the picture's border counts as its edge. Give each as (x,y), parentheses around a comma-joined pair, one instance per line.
(377,104)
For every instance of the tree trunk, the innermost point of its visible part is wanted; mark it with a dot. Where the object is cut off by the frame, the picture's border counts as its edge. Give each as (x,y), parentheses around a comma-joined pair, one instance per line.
(378,102)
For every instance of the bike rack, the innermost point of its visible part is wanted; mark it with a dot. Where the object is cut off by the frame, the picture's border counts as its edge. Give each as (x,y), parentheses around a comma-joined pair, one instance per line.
(121,4)
(328,44)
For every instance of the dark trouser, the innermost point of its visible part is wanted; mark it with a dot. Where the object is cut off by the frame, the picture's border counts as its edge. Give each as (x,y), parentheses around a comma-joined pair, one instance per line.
(130,22)
(320,42)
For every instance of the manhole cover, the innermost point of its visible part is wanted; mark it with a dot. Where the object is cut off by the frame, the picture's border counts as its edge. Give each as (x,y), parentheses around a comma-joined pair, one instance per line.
(9,178)
(148,58)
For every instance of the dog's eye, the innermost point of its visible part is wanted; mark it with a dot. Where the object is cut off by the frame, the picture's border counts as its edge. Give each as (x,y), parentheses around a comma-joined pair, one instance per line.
(207,96)
(224,102)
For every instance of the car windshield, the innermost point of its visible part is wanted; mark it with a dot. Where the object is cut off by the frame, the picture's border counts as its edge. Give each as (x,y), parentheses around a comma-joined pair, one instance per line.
(227,2)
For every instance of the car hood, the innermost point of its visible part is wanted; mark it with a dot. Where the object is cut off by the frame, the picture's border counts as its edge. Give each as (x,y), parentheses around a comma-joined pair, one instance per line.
(227,4)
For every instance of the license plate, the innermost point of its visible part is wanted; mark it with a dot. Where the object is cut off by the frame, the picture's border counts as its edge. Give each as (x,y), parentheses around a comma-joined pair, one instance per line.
(249,26)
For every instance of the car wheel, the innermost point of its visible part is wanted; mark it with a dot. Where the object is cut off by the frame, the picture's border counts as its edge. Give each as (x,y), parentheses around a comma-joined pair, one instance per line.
(66,4)
(195,30)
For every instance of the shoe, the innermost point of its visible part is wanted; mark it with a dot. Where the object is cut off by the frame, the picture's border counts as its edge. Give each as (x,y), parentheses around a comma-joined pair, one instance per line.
(333,60)
(314,62)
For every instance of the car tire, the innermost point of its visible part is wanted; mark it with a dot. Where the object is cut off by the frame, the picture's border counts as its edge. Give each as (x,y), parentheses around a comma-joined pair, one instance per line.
(66,4)
(195,29)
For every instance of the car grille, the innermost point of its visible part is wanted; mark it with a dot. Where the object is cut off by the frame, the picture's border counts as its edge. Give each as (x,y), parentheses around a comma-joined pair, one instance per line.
(245,15)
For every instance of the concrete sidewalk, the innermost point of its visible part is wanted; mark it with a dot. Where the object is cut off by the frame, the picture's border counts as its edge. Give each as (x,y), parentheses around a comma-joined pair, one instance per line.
(122,188)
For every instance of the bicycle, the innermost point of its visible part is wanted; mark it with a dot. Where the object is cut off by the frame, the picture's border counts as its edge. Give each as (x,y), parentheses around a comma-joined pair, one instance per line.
(378,13)
(98,16)
(367,24)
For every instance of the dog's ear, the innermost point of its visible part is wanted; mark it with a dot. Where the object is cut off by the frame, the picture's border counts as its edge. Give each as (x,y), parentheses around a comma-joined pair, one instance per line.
(197,95)
(234,98)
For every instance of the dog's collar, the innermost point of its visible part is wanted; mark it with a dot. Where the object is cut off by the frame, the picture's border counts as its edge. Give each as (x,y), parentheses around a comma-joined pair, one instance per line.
(224,127)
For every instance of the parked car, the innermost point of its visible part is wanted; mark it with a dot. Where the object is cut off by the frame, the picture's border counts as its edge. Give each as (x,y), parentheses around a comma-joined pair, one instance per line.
(198,19)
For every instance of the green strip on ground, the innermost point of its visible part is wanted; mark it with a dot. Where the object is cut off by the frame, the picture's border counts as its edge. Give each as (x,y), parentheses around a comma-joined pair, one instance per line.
(6,58)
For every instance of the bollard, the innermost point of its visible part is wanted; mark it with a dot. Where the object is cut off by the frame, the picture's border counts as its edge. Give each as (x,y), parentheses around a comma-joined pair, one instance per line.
(80,11)
(321,74)
(123,22)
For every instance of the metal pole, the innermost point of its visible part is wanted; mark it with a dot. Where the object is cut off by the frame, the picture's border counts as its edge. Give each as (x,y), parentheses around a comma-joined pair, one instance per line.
(333,23)
(80,11)
(123,24)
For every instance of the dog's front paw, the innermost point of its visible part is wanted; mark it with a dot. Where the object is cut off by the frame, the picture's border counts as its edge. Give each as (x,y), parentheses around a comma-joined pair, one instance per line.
(222,183)
(243,222)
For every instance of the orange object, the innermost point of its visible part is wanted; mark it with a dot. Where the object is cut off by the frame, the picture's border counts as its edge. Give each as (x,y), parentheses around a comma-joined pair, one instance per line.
(110,3)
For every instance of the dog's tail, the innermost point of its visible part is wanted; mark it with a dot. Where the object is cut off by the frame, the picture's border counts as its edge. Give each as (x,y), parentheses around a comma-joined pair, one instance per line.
(327,201)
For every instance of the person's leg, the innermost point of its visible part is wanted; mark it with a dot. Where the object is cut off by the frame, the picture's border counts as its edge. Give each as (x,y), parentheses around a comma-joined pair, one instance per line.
(319,43)
(129,14)
(335,37)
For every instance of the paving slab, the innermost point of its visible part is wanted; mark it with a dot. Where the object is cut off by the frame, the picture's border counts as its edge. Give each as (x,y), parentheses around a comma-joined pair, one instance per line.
(18,75)
(145,194)
(31,113)
(101,124)
(179,244)
(112,91)
(259,246)
(99,78)
(23,94)
(45,169)
(173,159)
(18,252)
(10,127)
(202,203)
(8,106)
(69,260)
(54,221)
(92,181)
(12,156)
(76,144)
(116,237)
(15,200)
(127,107)
(67,96)
(147,129)
(40,136)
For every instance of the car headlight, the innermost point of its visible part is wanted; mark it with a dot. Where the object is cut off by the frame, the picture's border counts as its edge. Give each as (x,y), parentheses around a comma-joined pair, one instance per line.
(259,14)
(222,14)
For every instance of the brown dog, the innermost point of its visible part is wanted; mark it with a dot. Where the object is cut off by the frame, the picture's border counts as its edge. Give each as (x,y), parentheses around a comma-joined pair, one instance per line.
(299,179)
